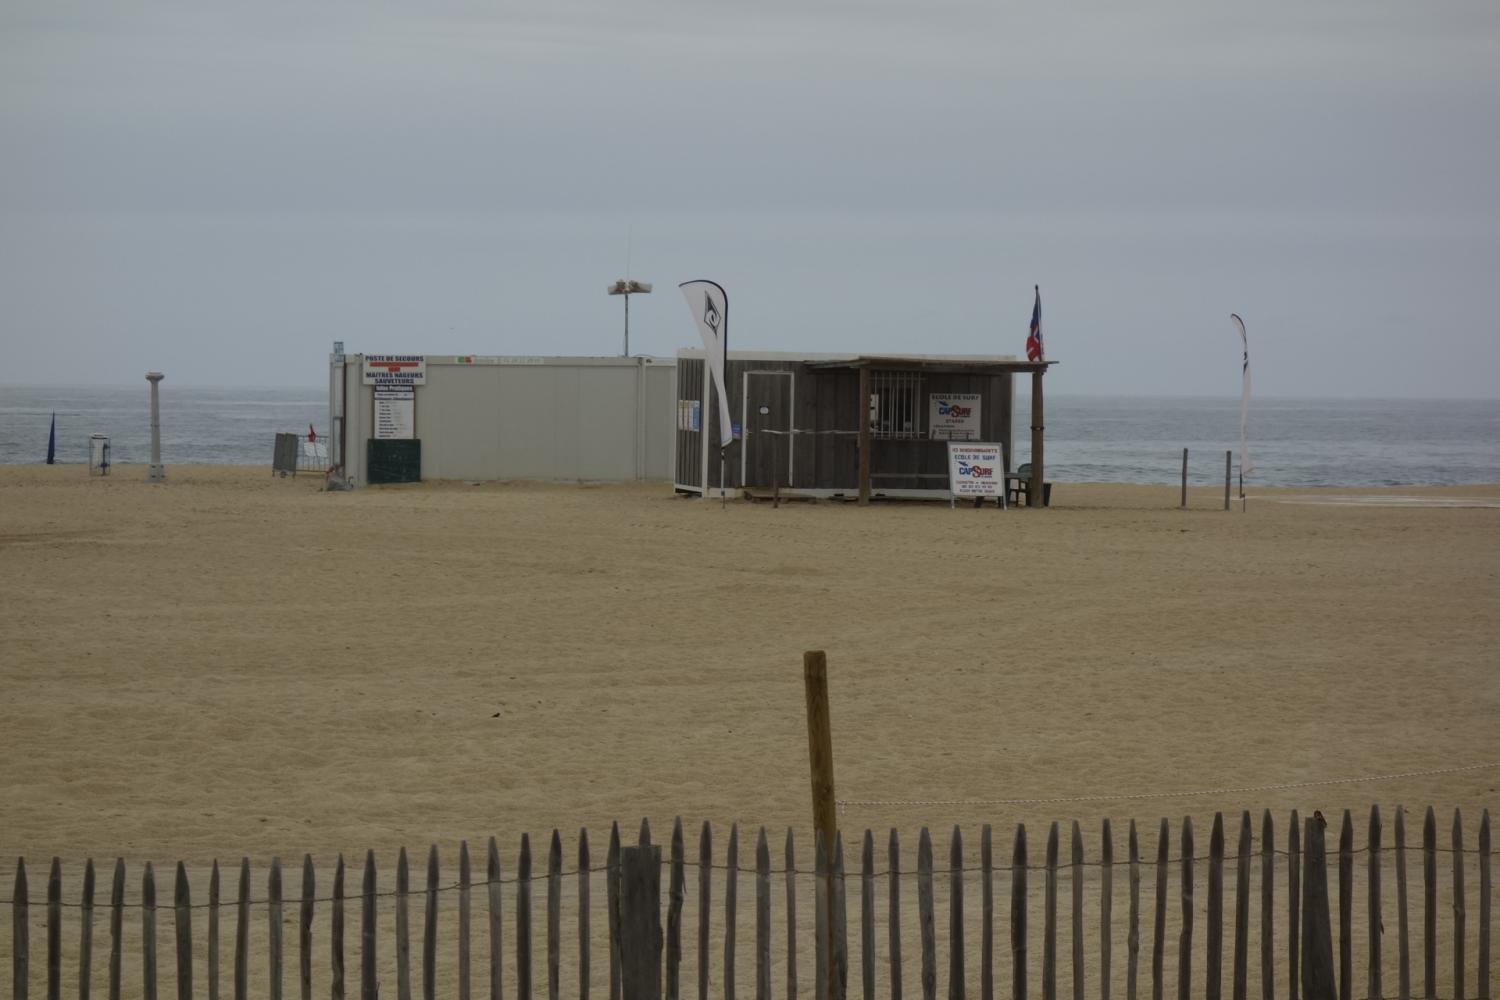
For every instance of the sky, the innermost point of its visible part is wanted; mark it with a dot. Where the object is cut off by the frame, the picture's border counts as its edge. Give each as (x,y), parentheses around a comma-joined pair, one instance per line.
(221,190)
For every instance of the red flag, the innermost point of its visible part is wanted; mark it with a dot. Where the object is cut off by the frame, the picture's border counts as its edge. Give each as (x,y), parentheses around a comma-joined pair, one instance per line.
(312,435)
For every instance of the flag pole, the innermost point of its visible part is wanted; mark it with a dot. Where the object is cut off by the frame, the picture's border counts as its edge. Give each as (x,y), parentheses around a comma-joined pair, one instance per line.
(723,496)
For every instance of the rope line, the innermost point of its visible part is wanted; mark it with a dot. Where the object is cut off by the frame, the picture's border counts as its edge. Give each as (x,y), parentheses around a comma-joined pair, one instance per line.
(1137,796)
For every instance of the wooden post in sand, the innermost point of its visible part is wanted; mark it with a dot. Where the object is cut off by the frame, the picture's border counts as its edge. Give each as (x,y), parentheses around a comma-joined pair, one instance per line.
(820,757)
(1228,463)
(1184,479)
(820,745)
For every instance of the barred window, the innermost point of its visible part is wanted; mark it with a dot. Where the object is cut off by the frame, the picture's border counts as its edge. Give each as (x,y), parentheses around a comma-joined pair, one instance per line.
(896,409)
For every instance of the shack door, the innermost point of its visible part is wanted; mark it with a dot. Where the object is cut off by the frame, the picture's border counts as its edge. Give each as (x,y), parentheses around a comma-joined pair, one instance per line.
(766,455)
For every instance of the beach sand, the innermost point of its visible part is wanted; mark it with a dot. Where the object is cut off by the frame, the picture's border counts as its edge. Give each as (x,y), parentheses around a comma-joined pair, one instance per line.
(233,664)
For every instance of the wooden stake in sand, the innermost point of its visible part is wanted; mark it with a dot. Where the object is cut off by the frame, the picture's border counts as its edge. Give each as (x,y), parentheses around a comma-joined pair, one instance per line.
(820,745)
(820,757)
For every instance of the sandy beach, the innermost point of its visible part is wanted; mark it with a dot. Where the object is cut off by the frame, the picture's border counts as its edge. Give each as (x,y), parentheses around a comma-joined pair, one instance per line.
(233,664)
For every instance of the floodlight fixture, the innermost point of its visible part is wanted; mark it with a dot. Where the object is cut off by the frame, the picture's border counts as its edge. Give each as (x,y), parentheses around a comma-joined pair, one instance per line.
(627,288)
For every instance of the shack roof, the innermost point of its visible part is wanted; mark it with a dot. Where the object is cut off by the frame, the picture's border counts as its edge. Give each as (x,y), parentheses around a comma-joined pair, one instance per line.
(905,362)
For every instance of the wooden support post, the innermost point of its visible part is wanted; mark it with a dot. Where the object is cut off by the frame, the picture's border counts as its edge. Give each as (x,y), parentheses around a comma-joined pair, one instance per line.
(1035,490)
(864,447)
(1317,931)
(1228,464)
(640,923)
(1184,478)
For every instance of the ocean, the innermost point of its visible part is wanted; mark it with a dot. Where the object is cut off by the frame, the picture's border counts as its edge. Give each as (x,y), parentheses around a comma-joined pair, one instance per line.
(1293,442)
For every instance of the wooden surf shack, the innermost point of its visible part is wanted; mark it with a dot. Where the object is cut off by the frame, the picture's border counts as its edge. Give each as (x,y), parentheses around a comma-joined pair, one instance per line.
(801,426)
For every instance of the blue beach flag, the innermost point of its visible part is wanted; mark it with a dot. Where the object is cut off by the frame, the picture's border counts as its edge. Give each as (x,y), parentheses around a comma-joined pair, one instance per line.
(52,442)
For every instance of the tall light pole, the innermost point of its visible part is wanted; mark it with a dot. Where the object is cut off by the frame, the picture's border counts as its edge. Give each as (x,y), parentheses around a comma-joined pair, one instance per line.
(627,288)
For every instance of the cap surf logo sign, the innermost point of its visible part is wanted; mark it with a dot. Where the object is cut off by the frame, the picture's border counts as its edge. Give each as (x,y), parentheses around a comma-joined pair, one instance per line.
(975,470)
(710,307)
(953,416)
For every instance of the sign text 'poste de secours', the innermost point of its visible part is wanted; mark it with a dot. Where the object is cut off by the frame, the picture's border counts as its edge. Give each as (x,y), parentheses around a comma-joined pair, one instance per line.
(395,369)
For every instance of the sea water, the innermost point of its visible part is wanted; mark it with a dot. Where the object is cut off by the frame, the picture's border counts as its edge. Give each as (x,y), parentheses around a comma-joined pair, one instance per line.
(1292,442)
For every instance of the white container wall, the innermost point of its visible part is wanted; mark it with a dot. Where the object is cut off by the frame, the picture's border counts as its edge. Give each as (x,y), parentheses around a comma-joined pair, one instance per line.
(496,418)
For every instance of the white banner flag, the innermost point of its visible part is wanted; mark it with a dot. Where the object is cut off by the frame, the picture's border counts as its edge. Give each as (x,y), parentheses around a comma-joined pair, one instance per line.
(1245,464)
(710,308)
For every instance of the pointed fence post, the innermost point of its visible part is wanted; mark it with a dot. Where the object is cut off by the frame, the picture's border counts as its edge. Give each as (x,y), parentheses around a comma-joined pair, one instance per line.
(20,934)
(1346,908)
(1185,941)
(369,987)
(1460,913)
(1018,915)
(182,902)
(1376,925)
(1318,981)
(54,930)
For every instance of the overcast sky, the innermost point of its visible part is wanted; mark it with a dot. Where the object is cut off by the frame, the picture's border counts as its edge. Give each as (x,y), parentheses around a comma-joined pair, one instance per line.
(220,190)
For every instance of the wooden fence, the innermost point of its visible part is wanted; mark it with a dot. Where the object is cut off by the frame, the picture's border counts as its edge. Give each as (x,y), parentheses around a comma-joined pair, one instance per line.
(1311,958)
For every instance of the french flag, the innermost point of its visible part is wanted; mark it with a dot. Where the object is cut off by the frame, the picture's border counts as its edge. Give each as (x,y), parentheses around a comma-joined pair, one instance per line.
(1034,338)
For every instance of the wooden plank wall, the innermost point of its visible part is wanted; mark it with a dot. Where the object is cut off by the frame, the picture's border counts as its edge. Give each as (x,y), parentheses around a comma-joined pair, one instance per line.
(1343,899)
(826,410)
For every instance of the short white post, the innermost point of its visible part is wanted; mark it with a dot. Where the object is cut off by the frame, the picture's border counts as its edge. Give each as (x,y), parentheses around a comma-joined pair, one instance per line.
(157,472)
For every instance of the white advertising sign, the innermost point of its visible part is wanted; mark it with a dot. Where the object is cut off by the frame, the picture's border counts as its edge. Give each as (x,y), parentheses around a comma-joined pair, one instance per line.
(975,470)
(395,412)
(688,411)
(953,416)
(395,369)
